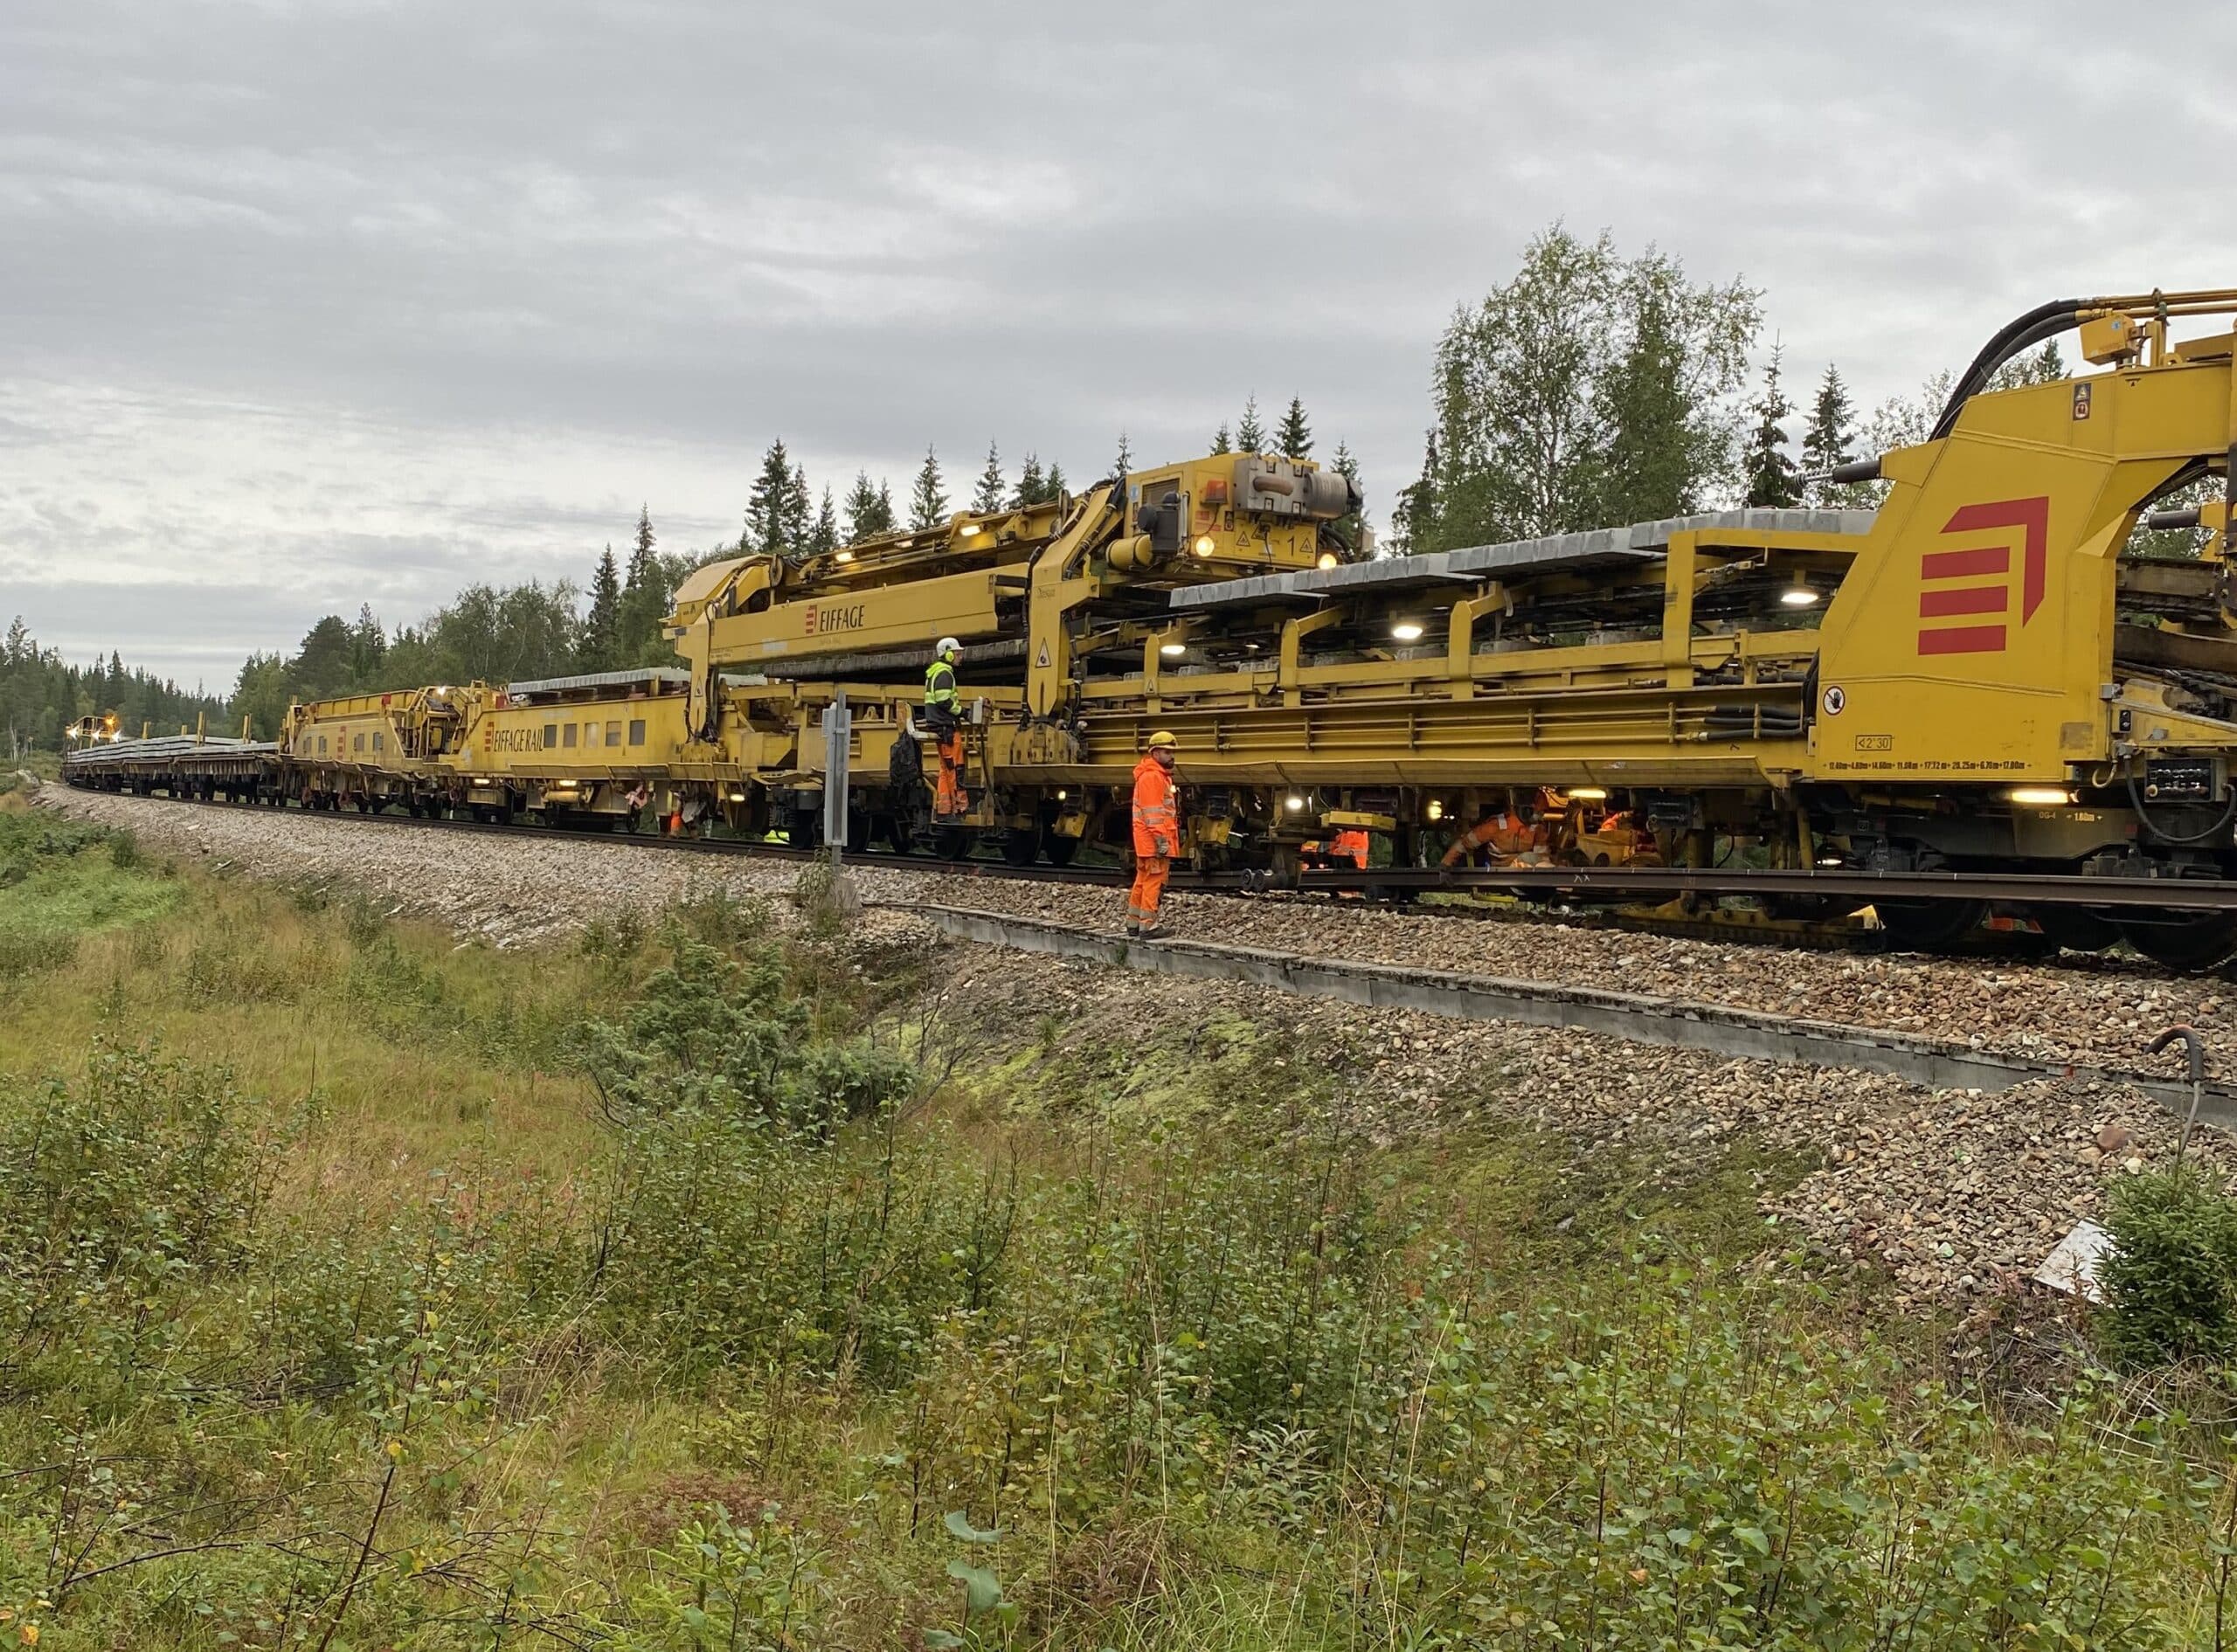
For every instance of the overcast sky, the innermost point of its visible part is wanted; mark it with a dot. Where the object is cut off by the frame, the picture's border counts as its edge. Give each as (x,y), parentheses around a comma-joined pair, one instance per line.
(303,306)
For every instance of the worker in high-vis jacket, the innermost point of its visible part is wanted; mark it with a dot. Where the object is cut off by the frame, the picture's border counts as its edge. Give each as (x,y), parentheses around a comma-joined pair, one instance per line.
(1157,834)
(944,718)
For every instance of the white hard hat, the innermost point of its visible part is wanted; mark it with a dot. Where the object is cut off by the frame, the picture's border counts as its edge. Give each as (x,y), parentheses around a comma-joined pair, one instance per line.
(946,645)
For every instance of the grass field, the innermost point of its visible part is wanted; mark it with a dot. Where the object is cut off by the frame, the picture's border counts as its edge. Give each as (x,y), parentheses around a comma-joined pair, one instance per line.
(692,1287)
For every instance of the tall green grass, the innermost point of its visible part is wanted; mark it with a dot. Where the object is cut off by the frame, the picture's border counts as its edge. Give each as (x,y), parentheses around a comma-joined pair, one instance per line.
(674,1291)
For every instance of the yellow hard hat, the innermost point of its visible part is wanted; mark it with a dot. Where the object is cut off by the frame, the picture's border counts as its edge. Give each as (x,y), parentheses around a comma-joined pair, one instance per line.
(1164,738)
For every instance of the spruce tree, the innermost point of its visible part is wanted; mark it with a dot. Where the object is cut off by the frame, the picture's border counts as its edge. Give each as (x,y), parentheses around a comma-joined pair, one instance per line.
(1249,437)
(644,597)
(1032,486)
(1825,440)
(885,511)
(1351,527)
(869,511)
(1413,518)
(1295,437)
(769,509)
(927,500)
(992,491)
(1770,473)
(1124,463)
(1222,441)
(798,503)
(1648,464)
(824,536)
(1053,489)
(601,626)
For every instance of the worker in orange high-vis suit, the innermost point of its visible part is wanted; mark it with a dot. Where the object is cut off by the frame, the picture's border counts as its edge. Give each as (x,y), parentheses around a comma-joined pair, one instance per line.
(1506,837)
(1349,844)
(1157,834)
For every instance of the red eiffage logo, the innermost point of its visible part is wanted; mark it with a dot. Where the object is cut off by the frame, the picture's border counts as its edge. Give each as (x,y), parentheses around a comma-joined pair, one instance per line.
(1987,570)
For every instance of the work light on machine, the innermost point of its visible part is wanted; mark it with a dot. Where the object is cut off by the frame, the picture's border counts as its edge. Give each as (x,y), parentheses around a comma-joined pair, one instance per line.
(1799,596)
(1407,631)
(1327,560)
(844,556)
(1173,650)
(1203,547)
(1294,803)
(1589,794)
(2039,796)
(1436,809)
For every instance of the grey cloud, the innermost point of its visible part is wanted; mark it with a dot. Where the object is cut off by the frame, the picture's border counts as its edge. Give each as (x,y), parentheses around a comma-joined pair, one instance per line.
(367,298)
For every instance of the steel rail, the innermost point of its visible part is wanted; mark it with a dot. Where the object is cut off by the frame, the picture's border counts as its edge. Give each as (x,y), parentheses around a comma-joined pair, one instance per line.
(2194,895)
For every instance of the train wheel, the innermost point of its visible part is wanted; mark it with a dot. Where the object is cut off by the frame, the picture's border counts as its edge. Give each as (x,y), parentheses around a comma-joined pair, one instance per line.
(2076,929)
(2185,941)
(1924,925)
(1021,844)
(1059,848)
(895,830)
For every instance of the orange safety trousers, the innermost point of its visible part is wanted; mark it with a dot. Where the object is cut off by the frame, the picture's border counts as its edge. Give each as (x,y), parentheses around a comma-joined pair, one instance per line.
(950,799)
(1157,838)
(1150,873)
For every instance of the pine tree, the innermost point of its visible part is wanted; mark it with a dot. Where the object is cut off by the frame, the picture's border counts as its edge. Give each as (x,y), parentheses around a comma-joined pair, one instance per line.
(1825,441)
(601,627)
(1032,486)
(870,510)
(824,536)
(1124,463)
(1249,438)
(927,500)
(992,491)
(1053,489)
(1770,473)
(1413,518)
(1223,442)
(769,506)
(1295,437)
(885,511)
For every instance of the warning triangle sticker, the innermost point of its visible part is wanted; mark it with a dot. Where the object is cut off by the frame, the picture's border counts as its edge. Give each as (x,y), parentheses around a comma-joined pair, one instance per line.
(1042,662)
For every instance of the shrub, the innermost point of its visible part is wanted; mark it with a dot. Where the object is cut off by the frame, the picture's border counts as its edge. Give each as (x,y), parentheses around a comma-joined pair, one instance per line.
(2171,1280)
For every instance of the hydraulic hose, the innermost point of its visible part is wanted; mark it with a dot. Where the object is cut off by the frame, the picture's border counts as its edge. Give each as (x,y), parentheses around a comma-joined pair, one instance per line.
(2045,321)
(2229,814)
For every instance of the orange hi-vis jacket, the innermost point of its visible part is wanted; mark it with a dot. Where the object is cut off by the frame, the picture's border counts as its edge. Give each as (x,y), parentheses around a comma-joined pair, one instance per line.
(1157,822)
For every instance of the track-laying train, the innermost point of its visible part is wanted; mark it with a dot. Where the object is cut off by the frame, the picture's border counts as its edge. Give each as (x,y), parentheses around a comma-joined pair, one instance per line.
(1981,674)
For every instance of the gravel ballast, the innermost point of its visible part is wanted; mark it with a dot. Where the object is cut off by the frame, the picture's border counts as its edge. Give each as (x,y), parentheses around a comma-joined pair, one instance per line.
(513,889)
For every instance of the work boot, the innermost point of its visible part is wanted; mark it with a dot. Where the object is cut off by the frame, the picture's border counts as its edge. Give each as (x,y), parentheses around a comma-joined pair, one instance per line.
(1133,929)
(1151,932)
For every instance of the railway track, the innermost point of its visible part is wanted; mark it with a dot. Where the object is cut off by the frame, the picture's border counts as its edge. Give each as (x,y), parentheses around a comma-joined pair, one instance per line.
(1421,886)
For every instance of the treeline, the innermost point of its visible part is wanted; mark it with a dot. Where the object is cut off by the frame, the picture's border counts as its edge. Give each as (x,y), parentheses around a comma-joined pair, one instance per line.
(1594,390)
(487,633)
(785,517)
(41,696)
